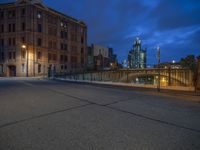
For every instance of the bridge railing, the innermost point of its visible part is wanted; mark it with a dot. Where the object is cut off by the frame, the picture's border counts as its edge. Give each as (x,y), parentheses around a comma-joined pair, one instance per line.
(168,77)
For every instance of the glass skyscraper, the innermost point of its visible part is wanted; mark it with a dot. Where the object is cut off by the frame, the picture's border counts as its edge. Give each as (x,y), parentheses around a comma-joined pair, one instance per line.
(137,56)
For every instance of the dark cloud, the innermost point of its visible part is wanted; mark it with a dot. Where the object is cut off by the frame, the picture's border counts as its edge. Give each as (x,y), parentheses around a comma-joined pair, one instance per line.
(176,14)
(172,24)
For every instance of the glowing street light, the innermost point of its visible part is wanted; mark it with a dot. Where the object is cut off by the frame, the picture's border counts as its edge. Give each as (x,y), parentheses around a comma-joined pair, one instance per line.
(25,47)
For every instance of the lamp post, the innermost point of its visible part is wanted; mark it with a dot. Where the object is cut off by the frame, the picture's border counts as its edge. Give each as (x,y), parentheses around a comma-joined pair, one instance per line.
(26,49)
(158,59)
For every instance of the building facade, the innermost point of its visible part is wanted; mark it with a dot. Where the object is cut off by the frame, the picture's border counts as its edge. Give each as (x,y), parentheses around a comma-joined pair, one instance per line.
(100,57)
(35,38)
(137,56)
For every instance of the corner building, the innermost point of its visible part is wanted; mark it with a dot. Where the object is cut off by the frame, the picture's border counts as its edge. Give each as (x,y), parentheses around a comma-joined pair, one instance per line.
(34,38)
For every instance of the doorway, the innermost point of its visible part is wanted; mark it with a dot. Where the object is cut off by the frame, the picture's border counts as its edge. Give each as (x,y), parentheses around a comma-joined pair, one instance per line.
(12,71)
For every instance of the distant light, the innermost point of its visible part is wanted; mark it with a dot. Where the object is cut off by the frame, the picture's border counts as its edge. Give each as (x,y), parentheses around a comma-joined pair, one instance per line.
(23,46)
(163,79)
(173,61)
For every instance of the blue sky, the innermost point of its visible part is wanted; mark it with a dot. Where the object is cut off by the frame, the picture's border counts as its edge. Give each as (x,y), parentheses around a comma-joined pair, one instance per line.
(172,24)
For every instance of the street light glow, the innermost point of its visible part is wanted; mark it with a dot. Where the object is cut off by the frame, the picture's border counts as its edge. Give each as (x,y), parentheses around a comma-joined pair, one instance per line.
(24,46)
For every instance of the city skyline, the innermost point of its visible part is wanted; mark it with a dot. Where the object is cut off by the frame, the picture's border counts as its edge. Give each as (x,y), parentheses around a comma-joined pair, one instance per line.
(173,25)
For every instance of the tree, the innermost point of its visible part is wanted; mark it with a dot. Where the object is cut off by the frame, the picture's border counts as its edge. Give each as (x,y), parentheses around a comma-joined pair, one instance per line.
(191,63)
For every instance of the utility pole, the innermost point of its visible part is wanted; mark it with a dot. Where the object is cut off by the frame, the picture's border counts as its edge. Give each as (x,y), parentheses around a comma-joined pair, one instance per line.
(158,59)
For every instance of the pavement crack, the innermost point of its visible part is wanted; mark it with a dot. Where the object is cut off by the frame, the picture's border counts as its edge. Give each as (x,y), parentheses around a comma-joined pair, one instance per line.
(42,115)
(153,119)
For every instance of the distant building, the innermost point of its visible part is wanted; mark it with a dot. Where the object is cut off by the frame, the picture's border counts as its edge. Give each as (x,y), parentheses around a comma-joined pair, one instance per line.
(137,56)
(34,38)
(100,57)
(166,65)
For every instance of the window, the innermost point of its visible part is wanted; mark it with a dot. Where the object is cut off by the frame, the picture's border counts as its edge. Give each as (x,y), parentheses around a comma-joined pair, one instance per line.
(63,24)
(82,60)
(39,28)
(11,14)
(54,32)
(61,58)
(9,28)
(13,27)
(39,55)
(66,59)
(39,68)
(13,41)
(63,34)
(23,26)
(50,44)
(49,56)
(63,46)
(54,45)
(23,54)
(2,15)
(23,68)
(82,40)
(54,56)
(39,42)
(2,28)
(65,67)
(14,55)
(10,55)
(2,55)
(82,51)
(39,14)
(62,67)
(23,12)
(9,41)
(2,42)
(23,39)
(49,30)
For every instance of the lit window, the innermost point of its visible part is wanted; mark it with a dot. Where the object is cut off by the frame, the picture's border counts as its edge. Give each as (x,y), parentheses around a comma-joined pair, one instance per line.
(39,15)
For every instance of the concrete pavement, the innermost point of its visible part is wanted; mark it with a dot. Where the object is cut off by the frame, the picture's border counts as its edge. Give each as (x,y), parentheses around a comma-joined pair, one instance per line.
(42,114)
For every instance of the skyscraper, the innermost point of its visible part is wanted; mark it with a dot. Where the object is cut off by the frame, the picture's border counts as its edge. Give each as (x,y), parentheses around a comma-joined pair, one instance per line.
(137,56)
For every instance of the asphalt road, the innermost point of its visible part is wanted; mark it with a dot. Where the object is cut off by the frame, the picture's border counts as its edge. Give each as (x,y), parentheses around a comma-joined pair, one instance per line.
(54,115)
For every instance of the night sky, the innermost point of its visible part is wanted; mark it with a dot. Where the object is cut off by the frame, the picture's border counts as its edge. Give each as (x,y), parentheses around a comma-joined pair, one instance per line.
(172,24)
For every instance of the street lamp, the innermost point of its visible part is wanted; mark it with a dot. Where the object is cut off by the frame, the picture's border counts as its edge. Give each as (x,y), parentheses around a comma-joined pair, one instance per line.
(26,49)
(158,58)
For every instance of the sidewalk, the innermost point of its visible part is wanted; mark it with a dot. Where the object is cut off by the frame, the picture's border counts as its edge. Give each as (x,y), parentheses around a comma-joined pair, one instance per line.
(23,78)
(152,89)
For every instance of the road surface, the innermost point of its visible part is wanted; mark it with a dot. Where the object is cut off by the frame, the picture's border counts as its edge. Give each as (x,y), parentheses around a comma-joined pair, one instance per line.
(54,115)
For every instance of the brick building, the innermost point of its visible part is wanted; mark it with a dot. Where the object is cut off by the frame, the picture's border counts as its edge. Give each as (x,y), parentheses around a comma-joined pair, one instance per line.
(34,37)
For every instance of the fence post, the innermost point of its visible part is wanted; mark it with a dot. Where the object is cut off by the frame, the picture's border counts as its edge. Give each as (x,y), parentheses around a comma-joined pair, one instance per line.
(90,76)
(169,76)
(127,76)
